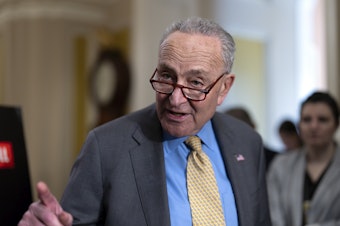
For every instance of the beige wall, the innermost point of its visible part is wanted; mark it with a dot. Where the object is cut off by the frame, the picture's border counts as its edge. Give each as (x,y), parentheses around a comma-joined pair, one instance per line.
(38,72)
(249,69)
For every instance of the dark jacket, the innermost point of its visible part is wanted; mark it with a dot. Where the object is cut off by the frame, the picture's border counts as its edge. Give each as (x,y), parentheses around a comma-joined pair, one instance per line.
(119,176)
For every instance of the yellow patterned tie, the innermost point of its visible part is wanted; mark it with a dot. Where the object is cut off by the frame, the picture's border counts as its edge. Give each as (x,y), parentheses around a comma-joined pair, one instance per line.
(204,198)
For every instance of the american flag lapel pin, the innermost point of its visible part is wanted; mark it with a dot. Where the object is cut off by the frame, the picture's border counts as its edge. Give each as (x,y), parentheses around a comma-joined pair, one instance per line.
(239,157)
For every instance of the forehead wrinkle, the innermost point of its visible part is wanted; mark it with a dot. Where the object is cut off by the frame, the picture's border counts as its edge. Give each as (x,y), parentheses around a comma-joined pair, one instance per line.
(194,56)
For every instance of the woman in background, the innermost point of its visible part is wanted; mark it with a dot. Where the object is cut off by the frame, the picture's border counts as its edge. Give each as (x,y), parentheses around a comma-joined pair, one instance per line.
(304,186)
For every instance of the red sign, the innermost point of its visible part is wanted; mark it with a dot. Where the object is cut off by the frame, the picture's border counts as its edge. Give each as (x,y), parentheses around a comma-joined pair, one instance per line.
(6,155)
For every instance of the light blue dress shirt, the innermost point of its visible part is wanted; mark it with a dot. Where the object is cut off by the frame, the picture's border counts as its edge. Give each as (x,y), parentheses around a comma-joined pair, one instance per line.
(176,154)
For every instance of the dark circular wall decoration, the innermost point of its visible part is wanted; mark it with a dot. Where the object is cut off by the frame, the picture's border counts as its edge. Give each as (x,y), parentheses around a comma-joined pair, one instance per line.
(110,84)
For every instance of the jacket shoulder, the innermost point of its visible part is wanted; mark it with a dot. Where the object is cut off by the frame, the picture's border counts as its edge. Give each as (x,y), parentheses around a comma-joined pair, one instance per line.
(142,124)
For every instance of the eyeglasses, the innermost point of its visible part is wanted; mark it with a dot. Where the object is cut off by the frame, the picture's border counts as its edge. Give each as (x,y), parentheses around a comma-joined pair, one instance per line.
(190,93)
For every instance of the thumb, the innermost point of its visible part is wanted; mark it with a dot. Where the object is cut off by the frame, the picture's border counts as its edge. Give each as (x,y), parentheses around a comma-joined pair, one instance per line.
(47,198)
(65,218)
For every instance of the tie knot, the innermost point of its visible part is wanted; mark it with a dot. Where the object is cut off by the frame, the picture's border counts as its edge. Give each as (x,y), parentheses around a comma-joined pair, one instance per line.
(194,143)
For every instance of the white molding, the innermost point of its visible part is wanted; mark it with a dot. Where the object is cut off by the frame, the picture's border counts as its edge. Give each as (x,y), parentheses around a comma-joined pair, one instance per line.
(80,11)
(332,55)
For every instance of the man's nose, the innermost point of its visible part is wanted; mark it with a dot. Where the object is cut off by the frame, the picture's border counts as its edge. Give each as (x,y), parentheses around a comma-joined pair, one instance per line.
(177,96)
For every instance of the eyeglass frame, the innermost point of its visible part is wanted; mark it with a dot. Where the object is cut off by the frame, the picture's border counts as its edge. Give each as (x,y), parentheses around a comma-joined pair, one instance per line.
(175,85)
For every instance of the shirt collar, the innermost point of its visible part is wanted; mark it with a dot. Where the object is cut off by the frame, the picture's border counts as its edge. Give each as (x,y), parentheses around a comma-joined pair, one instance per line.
(206,134)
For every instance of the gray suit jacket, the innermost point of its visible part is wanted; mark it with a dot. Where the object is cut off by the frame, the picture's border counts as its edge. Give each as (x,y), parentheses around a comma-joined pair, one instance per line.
(285,186)
(119,176)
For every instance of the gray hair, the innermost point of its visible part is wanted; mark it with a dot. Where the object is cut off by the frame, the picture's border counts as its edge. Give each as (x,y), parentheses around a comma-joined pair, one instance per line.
(197,25)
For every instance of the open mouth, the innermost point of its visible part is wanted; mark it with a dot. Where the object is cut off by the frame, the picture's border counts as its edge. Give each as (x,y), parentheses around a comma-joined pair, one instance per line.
(176,116)
(176,113)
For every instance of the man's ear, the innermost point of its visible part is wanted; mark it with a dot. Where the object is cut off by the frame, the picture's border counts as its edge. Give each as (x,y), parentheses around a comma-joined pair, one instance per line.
(227,83)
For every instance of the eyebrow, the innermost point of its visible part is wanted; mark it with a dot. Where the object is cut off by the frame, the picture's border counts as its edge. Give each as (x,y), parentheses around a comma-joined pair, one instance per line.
(163,67)
(196,72)
(192,72)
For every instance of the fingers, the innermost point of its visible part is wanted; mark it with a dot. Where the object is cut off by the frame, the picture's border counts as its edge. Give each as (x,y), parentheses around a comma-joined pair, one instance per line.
(38,214)
(48,199)
(46,211)
(29,219)
(65,218)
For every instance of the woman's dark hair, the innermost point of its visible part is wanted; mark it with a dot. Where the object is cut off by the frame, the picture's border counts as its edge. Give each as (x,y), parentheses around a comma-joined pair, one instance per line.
(323,97)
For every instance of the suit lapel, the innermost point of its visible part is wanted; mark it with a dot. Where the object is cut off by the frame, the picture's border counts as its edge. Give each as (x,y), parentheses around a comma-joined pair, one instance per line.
(148,165)
(232,157)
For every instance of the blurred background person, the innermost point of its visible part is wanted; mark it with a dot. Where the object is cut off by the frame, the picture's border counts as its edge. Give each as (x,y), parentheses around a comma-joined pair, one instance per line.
(243,115)
(289,135)
(303,186)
